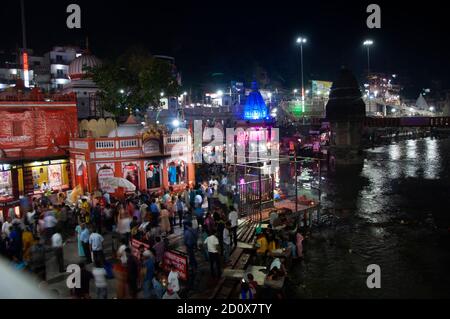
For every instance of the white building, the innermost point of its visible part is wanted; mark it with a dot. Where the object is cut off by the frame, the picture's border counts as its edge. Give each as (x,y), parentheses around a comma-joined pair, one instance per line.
(57,64)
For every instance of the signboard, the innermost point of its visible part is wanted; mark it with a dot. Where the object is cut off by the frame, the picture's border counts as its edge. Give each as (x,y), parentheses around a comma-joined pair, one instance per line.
(321,88)
(54,176)
(131,153)
(135,244)
(178,259)
(81,145)
(151,147)
(104,171)
(104,154)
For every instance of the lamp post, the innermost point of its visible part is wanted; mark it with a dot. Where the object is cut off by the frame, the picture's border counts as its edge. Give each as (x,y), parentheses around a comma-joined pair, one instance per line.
(301,41)
(367,44)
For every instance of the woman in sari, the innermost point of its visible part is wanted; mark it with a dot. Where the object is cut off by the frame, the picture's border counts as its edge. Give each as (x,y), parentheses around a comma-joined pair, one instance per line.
(78,230)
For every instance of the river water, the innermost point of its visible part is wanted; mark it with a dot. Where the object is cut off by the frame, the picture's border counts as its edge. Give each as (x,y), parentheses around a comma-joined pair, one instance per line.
(395,213)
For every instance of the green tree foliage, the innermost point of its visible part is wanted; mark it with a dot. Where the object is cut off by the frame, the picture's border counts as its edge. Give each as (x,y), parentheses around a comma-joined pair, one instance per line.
(134,81)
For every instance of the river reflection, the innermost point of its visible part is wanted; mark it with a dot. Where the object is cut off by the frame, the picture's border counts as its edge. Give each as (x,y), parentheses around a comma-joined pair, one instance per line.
(393,213)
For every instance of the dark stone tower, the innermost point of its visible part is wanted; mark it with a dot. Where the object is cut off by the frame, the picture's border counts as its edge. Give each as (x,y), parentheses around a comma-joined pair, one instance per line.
(345,111)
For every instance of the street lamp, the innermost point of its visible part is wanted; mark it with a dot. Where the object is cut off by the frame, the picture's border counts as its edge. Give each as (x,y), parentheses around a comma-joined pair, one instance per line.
(219,92)
(162,94)
(367,44)
(301,41)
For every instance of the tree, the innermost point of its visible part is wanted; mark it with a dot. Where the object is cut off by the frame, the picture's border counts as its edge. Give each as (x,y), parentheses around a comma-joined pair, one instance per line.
(134,81)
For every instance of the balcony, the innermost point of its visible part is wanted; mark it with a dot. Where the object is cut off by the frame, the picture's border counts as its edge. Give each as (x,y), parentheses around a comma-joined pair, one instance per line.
(60,76)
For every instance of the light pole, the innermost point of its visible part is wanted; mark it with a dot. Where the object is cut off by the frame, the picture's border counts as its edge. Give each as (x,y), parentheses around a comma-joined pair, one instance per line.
(367,44)
(301,41)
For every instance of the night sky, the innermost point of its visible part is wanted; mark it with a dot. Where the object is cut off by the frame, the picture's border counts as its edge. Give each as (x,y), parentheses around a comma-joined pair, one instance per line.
(233,37)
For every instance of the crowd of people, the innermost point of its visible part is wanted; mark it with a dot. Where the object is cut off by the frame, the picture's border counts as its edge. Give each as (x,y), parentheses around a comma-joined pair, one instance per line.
(205,212)
(207,216)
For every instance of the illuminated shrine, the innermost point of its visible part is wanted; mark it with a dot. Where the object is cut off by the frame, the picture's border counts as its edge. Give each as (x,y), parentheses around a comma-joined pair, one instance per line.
(255,108)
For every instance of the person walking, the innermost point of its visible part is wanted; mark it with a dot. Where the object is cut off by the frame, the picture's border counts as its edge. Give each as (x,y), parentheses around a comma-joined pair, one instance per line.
(83,292)
(212,244)
(180,207)
(233,219)
(96,246)
(149,266)
(49,224)
(133,274)
(101,286)
(190,241)
(27,243)
(226,242)
(299,243)
(57,245)
(84,238)
(37,262)
(165,222)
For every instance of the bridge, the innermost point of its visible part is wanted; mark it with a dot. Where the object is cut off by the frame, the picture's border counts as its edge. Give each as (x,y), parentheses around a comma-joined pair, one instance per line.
(422,121)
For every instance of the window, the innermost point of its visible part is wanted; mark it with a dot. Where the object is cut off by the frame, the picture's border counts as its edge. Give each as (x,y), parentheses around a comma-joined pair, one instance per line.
(59,58)
(59,73)
(36,63)
(17,128)
(59,86)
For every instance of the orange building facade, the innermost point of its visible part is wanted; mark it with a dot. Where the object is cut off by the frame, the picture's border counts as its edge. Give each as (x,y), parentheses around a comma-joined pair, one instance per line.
(151,159)
(34,141)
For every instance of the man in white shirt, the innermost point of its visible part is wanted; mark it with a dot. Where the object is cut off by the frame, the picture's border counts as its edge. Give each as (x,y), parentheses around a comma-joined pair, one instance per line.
(121,252)
(212,244)
(233,218)
(96,245)
(57,245)
(49,224)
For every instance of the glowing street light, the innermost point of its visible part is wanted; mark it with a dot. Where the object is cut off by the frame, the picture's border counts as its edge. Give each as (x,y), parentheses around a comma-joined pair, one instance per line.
(162,94)
(368,44)
(176,123)
(301,41)
(219,93)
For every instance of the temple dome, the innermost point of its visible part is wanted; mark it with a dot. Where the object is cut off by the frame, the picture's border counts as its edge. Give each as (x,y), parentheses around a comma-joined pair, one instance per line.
(345,101)
(130,128)
(255,108)
(77,66)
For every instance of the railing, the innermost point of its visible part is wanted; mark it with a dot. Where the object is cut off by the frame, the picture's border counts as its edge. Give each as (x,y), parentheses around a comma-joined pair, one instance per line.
(128,143)
(176,139)
(104,145)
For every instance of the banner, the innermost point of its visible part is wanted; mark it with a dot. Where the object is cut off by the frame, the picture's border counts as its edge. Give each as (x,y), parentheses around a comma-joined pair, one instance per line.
(104,171)
(54,176)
